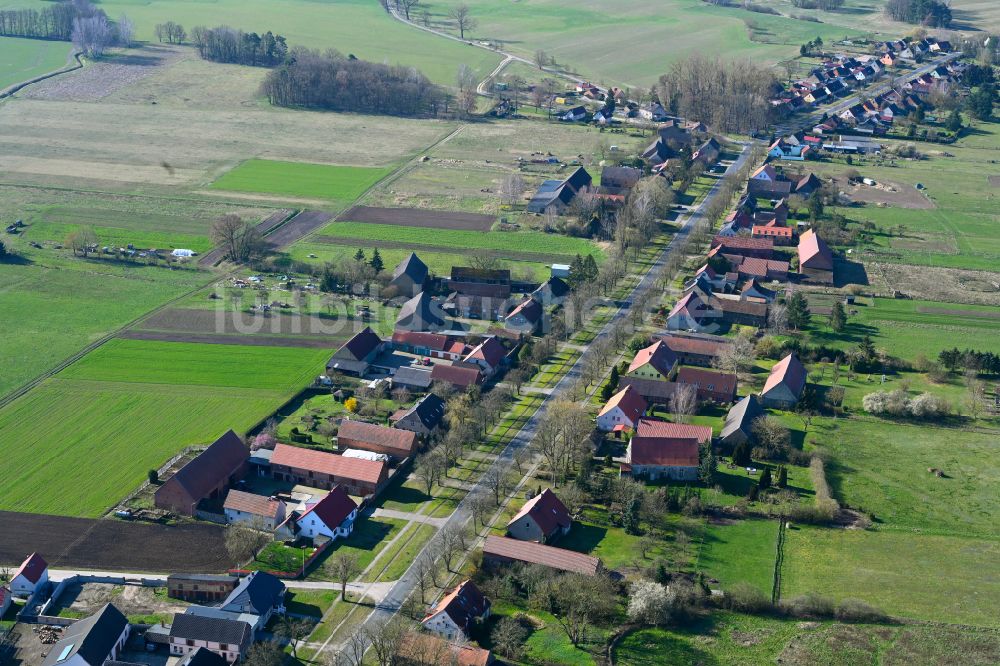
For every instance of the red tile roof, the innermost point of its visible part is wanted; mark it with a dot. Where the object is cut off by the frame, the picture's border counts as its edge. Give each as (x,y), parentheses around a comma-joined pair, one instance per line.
(814,252)
(658,355)
(489,350)
(368,471)
(788,371)
(770,229)
(402,442)
(333,509)
(665,451)
(536,553)
(548,512)
(683,345)
(257,505)
(418,646)
(464,375)
(762,267)
(435,341)
(722,382)
(629,401)
(742,243)
(32,568)
(648,427)
(689,302)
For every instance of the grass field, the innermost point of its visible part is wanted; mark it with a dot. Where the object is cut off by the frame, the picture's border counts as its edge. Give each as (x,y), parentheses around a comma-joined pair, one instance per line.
(55,306)
(727,639)
(94,430)
(346,25)
(741,552)
(22,59)
(300,179)
(931,577)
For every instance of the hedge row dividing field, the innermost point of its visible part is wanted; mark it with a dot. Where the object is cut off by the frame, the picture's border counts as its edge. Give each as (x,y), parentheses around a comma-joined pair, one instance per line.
(94,430)
(301,179)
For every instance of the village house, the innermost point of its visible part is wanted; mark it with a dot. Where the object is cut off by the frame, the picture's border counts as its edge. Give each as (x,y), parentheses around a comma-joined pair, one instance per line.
(31,575)
(92,641)
(664,450)
(489,355)
(357,354)
(707,153)
(656,361)
(553,291)
(424,418)
(457,612)
(433,345)
(785,384)
(207,476)
(6,599)
(393,442)
(526,317)
(700,350)
(200,588)
(228,638)
(739,422)
(712,385)
(659,153)
(766,182)
(254,601)
(317,469)
(260,511)
(621,411)
(410,276)
(461,375)
(779,234)
(499,551)
(691,313)
(753,291)
(200,657)
(331,517)
(421,313)
(419,649)
(543,518)
(815,258)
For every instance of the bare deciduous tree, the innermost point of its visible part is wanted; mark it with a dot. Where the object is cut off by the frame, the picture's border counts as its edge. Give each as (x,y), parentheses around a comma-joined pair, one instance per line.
(511,188)
(385,639)
(240,240)
(344,567)
(462,18)
(453,542)
(244,540)
(480,506)
(407,6)
(126,31)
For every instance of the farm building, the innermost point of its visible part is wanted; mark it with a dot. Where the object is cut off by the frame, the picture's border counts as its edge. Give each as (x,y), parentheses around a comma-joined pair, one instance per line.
(743,246)
(457,612)
(556,195)
(409,276)
(701,350)
(622,410)
(739,422)
(421,313)
(553,291)
(656,458)
(91,641)
(200,588)
(712,385)
(377,438)
(415,648)
(489,355)
(434,345)
(423,418)
(228,638)
(499,551)
(412,377)
(32,574)
(357,354)
(260,511)
(691,313)
(815,258)
(526,317)
(207,476)
(542,518)
(619,179)
(327,470)
(202,657)
(461,375)
(785,384)
(6,599)
(331,517)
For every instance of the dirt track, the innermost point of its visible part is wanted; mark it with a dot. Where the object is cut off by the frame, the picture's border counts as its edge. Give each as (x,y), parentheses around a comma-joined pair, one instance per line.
(413,217)
(114,545)
(304,223)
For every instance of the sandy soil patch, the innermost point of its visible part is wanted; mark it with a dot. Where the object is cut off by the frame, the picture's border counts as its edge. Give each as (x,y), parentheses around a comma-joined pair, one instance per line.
(885,193)
(87,598)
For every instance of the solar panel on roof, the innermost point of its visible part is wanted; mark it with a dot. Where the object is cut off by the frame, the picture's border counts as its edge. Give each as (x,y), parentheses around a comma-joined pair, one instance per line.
(65,652)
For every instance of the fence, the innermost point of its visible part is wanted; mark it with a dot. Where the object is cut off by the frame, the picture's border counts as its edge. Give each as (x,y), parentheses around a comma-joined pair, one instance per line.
(42,616)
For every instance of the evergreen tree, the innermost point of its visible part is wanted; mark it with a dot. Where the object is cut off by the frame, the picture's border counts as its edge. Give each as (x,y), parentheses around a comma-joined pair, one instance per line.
(765,479)
(782,477)
(576,270)
(954,123)
(797,311)
(590,269)
(867,349)
(708,465)
(815,206)
(630,519)
(613,378)
(3,250)
(753,494)
(980,103)
(607,391)
(741,454)
(359,255)
(838,318)
(376,262)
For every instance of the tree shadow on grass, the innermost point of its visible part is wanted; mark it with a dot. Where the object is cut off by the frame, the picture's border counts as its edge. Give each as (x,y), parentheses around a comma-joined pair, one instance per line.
(583,538)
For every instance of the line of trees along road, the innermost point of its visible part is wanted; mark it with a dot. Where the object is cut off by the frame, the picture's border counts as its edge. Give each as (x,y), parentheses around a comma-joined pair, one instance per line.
(333,82)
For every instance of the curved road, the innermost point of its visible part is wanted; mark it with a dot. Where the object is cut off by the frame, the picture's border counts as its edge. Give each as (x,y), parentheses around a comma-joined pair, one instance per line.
(406,585)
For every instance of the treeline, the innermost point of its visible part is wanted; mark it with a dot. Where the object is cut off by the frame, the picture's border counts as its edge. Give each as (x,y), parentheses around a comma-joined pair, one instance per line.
(933,13)
(731,96)
(55,21)
(229,45)
(970,360)
(825,5)
(333,82)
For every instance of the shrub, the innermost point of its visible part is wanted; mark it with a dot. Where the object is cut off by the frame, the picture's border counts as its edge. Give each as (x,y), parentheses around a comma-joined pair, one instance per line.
(810,605)
(153,476)
(855,610)
(745,598)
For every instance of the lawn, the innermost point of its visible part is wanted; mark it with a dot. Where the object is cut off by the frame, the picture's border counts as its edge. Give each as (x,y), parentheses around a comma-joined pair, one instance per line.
(22,59)
(181,363)
(95,429)
(929,577)
(369,537)
(301,179)
(53,307)
(76,447)
(727,639)
(547,643)
(743,551)
(881,467)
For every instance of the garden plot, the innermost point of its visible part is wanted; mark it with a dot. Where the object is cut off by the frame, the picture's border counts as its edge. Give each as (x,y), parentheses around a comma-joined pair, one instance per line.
(100,78)
(885,193)
(80,600)
(409,217)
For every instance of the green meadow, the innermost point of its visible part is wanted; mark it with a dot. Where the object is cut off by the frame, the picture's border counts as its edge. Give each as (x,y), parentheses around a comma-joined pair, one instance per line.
(301,179)
(22,59)
(128,407)
(743,551)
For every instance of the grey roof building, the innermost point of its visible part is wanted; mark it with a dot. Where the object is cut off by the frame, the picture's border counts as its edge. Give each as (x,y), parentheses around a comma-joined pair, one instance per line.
(226,637)
(424,417)
(739,421)
(259,593)
(409,276)
(420,313)
(202,657)
(356,355)
(91,641)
